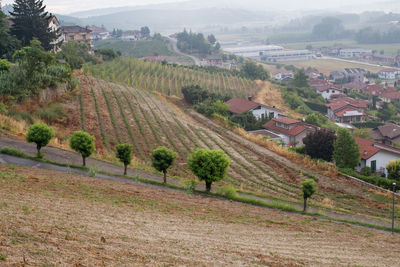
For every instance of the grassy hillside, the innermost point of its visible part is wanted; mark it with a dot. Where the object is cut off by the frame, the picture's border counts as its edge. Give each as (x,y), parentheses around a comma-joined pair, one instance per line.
(50,218)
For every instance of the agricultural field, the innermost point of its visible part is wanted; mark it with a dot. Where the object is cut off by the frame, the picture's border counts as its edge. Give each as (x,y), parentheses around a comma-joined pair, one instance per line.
(169,80)
(139,49)
(49,218)
(325,66)
(115,113)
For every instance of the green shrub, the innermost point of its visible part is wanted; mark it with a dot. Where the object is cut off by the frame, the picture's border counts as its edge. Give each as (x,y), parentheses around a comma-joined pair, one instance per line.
(51,114)
(393,169)
(3,257)
(93,171)
(83,143)
(190,186)
(3,109)
(40,134)
(4,65)
(227,191)
(366,171)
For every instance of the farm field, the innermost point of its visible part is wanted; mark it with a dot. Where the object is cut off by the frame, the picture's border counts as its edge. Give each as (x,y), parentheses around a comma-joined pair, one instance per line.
(115,113)
(169,80)
(138,49)
(325,66)
(50,218)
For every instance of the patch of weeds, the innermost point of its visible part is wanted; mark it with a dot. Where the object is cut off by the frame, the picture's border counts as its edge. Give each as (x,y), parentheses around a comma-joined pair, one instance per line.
(190,186)
(93,171)
(26,210)
(3,257)
(13,152)
(227,191)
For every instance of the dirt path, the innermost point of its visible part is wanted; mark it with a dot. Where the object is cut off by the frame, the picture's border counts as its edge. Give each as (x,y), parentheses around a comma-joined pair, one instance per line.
(51,218)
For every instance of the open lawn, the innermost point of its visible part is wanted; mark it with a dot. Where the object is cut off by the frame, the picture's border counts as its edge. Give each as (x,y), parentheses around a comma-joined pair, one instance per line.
(324,65)
(55,219)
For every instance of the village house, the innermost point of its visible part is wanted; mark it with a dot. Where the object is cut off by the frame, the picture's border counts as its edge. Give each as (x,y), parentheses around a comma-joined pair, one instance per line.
(376,156)
(353,53)
(388,74)
(283,76)
(354,86)
(76,33)
(291,131)
(214,60)
(98,33)
(134,35)
(390,95)
(373,90)
(387,134)
(347,110)
(260,111)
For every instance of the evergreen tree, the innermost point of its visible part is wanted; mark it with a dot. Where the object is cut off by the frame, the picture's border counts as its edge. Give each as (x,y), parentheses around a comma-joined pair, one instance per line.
(7,42)
(300,79)
(319,144)
(31,21)
(346,150)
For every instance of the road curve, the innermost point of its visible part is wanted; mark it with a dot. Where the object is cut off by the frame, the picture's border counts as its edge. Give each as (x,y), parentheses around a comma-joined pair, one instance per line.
(175,47)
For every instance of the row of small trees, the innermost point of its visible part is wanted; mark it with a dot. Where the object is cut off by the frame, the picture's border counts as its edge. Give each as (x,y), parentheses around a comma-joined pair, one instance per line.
(208,165)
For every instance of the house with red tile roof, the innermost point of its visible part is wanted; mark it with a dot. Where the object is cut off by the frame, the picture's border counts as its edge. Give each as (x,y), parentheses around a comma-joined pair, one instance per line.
(324,88)
(239,106)
(347,109)
(390,96)
(373,90)
(376,156)
(387,134)
(292,131)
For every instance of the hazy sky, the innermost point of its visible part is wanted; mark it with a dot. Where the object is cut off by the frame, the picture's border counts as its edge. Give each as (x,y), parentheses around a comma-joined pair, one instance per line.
(69,6)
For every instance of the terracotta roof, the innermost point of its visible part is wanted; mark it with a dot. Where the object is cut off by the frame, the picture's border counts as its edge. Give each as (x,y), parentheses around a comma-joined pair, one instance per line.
(349,112)
(318,81)
(322,88)
(287,120)
(391,95)
(369,148)
(74,29)
(293,131)
(389,70)
(389,130)
(338,103)
(375,89)
(238,105)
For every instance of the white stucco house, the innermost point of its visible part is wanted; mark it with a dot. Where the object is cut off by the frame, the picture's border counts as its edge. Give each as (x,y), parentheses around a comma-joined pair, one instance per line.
(388,74)
(328,91)
(239,106)
(376,156)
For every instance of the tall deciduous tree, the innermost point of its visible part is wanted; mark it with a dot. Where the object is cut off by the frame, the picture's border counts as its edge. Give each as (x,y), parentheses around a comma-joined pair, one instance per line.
(300,79)
(209,165)
(346,150)
(319,144)
(32,21)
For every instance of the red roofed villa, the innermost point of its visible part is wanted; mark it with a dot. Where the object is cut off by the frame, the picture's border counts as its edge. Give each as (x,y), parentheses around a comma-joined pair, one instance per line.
(376,156)
(292,131)
(239,106)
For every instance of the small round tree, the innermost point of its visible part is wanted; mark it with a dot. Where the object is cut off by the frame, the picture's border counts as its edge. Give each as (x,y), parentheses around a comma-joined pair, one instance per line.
(162,158)
(40,134)
(308,187)
(83,143)
(124,154)
(209,165)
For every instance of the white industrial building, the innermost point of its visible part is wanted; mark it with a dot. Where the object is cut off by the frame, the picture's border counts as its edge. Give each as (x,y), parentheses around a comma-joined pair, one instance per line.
(253,51)
(287,55)
(353,53)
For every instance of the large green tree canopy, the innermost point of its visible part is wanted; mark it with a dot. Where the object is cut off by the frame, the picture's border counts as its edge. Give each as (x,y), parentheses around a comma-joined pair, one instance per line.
(30,20)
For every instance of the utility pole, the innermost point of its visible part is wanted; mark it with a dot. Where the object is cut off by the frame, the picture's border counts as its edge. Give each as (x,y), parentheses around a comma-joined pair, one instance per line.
(394,196)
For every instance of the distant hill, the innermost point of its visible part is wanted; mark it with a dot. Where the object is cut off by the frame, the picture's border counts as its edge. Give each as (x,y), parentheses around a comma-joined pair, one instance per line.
(176,19)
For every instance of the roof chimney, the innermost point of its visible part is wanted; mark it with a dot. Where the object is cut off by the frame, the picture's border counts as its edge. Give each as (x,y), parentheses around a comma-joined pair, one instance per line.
(250,98)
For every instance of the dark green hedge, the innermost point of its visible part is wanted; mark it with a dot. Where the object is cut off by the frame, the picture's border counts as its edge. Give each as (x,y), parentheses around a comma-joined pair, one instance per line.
(367,124)
(375,180)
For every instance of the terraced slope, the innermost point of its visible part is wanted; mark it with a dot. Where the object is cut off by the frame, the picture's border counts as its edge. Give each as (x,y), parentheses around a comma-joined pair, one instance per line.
(115,113)
(169,80)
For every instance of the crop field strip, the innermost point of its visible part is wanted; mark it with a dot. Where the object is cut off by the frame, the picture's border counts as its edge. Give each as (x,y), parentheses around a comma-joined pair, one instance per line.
(169,80)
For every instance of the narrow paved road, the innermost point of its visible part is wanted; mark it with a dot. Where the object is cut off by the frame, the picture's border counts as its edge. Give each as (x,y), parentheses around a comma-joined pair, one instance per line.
(358,62)
(175,47)
(68,157)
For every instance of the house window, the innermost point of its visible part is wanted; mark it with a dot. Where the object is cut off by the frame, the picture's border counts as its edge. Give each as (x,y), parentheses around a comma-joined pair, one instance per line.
(373,166)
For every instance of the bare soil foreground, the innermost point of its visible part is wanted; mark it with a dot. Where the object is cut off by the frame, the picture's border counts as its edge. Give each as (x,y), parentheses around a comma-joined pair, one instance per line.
(49,218)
